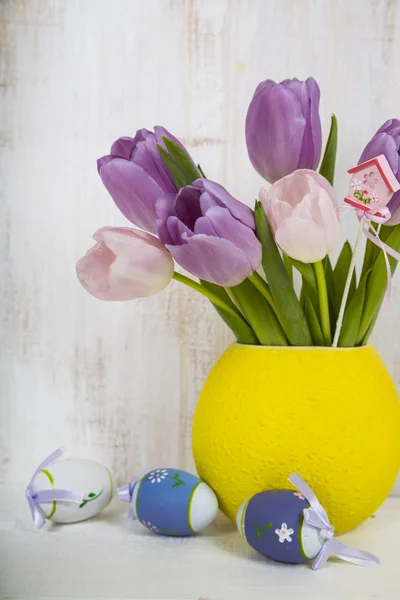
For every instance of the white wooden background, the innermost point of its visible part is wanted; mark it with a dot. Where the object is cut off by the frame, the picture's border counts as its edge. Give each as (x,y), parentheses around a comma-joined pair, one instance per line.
(119,382)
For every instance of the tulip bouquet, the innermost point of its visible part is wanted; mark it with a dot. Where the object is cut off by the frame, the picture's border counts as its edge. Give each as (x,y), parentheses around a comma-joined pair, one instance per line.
(241,260)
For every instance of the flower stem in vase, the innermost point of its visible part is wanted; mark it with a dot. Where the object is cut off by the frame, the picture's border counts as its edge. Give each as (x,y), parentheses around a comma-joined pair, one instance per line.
(346,290)
(204,291)
(323,302)
(262,287)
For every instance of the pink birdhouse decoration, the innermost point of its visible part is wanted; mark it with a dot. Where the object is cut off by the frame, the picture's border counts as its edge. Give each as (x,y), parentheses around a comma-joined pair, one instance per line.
(372,185)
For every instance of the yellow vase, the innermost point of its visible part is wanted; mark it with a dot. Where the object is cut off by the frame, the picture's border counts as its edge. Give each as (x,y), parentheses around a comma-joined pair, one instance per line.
(331,415)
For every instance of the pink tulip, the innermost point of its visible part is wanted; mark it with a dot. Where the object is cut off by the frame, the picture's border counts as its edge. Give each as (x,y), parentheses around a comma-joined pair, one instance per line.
(301,212)
(125,264)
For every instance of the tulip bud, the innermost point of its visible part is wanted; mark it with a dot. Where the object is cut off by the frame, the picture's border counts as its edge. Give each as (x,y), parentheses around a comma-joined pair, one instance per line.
(387,141)
(301,212)
(135,174)
(209,233)
(125,264)
(283,127)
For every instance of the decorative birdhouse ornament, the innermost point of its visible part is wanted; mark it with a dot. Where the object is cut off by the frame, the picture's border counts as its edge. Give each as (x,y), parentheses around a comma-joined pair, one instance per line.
(372,185)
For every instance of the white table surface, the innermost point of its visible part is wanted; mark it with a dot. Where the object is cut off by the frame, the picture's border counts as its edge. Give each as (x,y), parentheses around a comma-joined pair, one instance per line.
(111,557)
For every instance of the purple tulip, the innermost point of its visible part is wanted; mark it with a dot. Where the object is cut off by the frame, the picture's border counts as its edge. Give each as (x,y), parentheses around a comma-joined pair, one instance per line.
(283,127)
(387,141)
(136,176)
(209,233)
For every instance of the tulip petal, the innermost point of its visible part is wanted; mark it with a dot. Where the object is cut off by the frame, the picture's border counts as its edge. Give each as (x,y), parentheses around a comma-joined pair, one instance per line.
(275,128)
(213,259)
(225,225)
(133,191)
(264,85)
(165,208)
(161,132)
(176,229)
(239,210)
(125,264)
(123,147)
(394,207)
(301,239)
(159,168)
(102,161)
(133,275)
(328,220)
(314,123)
(207,201)
(382,143)
(203,225)
(92,270)
(146,157)
(187,206)
(275,209)
(122,240)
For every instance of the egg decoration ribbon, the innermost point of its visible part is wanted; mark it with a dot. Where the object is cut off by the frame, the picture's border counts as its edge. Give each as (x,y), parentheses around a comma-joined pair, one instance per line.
(125,493)
(316,517)
(43,496)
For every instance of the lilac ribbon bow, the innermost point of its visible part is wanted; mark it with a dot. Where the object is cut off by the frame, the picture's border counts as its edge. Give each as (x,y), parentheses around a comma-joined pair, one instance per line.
(43,496)
(125,493)
(316,517)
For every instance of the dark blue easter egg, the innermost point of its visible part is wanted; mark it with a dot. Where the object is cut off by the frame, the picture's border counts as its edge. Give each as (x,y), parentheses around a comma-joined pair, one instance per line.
(173,502)
(272,522)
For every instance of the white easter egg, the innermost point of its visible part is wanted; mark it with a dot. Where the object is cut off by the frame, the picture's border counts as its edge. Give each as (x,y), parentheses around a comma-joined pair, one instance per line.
(76,475)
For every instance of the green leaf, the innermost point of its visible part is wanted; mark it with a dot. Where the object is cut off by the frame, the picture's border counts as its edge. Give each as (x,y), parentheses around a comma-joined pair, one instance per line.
(305,270)
(339,278)
(177,175)
(371,251)
(182,159)
(312,294)
(313,323)
(327,168)
(288,308)
(241,329)
(377,283)
(259,314)
(91,495)
(363,341)
(385,232)
(352,316)
(201,172)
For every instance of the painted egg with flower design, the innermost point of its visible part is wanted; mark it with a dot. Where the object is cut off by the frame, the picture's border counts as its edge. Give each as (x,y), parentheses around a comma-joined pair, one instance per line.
(272,523)
(172,502)
(87,477)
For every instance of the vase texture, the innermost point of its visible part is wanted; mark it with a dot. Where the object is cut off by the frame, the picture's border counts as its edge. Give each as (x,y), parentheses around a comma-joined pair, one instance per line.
(331,415)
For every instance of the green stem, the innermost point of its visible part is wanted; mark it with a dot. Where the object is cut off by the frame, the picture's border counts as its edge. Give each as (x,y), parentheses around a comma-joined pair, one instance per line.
(347,285)
(288,266)
(262,287)
(323,302)
(204,291)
